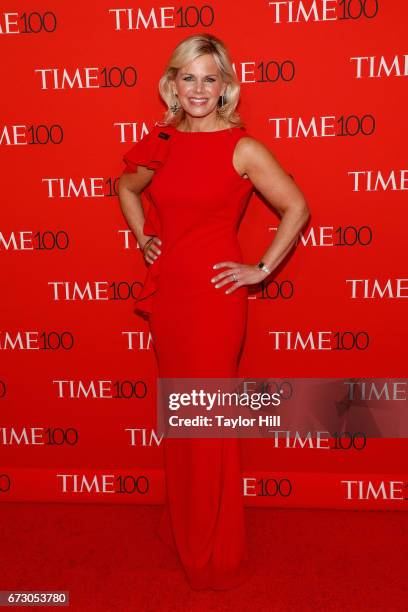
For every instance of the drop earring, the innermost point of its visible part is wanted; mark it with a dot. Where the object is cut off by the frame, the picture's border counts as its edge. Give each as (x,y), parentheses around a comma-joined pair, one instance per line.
(221,108)
(175,106)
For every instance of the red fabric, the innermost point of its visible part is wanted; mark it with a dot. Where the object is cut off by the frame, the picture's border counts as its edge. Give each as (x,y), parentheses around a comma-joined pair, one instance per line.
(197,198)
(150,151)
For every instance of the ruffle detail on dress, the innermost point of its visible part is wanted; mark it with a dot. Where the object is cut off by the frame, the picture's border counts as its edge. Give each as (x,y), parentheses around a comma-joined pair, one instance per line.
(151,227)
(151,152)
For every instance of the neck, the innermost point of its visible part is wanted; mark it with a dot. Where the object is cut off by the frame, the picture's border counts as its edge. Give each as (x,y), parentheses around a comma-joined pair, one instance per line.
(205,124)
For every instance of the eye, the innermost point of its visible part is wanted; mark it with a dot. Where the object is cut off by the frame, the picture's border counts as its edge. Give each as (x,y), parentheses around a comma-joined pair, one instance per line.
(187,78)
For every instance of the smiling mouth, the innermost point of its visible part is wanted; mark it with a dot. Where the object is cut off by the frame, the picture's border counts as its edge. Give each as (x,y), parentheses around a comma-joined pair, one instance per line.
(198,100)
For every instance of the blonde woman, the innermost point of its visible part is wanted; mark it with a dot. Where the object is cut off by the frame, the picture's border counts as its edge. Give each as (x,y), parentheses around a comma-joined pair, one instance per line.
(199,167)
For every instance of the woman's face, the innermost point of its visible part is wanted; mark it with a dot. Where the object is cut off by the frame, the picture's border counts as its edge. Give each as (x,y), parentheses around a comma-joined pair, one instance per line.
(199,86)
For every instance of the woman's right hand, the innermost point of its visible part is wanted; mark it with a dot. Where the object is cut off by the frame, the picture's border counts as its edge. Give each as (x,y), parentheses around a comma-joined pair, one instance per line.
(152,250)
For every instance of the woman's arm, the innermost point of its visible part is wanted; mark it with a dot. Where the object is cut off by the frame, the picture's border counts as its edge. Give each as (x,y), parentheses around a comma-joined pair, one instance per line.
(130,186)
(279,189)
(255,160)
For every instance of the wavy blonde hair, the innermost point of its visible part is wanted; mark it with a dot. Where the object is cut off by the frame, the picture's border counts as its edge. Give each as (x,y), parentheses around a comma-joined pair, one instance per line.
(185,52)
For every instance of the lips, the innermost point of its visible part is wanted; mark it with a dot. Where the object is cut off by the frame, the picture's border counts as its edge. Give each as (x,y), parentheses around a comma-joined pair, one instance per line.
(198,100)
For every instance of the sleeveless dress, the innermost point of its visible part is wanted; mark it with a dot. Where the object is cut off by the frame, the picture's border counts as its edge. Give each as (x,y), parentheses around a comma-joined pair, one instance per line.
(196,200)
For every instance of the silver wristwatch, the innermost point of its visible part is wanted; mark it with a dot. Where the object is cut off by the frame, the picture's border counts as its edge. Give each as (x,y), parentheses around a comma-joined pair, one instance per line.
(262,266)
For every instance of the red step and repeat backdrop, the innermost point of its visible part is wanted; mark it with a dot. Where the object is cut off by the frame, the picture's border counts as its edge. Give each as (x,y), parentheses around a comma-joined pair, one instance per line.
(323,84)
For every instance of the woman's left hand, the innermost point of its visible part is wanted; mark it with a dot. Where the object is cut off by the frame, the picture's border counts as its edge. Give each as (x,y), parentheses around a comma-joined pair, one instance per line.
(245,274)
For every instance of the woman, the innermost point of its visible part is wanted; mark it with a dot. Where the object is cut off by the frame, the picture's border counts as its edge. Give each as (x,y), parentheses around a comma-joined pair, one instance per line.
(200,167)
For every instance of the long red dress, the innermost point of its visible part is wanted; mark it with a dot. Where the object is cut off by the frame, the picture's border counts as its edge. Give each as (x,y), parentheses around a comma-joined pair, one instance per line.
(196,199)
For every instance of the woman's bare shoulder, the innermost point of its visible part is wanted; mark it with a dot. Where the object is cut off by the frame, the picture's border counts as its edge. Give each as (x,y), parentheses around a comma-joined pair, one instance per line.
(252,153)
(248,145)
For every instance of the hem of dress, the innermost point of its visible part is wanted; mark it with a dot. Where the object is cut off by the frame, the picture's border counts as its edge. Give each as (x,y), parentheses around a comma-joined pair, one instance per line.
(211,578)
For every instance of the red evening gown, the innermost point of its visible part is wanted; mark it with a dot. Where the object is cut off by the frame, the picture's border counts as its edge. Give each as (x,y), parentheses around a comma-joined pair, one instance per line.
(196,199)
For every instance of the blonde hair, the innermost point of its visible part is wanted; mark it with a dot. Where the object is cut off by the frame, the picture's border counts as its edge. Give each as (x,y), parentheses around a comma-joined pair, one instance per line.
(185,52)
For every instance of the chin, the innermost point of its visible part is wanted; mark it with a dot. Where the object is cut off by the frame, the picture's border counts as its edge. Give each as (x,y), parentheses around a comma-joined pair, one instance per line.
(199,111)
